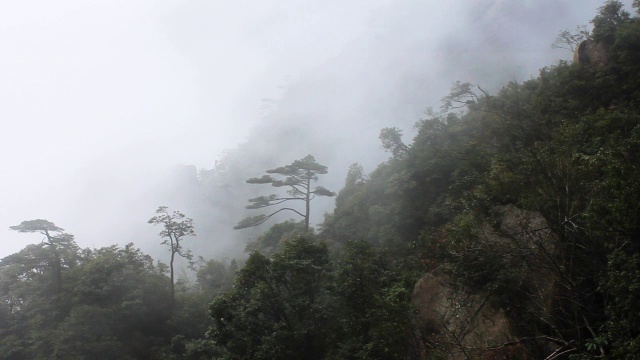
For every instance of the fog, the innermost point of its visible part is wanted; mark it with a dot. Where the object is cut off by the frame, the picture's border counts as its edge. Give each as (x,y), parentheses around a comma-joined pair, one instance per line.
(101,100)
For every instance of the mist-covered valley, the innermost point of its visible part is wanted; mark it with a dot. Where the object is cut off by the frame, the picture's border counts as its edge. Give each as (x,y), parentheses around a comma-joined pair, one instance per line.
(102,102)
(114,109)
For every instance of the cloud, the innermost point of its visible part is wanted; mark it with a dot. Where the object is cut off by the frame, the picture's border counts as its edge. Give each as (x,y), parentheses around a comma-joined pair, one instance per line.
(101,99)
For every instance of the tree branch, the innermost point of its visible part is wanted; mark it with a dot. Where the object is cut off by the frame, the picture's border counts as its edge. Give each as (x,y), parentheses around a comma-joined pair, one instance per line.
(260,219)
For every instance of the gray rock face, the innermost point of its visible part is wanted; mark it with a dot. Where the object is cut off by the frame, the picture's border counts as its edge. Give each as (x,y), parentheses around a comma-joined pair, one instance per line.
(458,323)
(590,53)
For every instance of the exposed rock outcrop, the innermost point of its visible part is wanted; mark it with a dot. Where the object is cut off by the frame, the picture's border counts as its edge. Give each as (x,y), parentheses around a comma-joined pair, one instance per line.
(458,323)
(591,53)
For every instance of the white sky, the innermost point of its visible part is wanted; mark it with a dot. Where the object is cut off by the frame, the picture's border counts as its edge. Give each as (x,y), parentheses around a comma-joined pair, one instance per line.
(113,91)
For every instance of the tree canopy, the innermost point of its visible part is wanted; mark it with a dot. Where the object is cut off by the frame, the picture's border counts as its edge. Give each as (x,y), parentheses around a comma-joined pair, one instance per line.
(41,226)
(175,227)
(297,178)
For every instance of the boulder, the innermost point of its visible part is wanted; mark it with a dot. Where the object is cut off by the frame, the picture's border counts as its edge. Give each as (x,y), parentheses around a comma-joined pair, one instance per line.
(591,53)
(460,323)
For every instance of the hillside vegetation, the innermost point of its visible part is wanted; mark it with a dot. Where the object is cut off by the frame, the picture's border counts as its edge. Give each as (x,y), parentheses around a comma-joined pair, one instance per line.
(508,228)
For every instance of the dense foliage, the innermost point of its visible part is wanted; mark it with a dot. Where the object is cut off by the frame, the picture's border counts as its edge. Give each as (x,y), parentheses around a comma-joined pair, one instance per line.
(563,146)
(507,228)
(114,303)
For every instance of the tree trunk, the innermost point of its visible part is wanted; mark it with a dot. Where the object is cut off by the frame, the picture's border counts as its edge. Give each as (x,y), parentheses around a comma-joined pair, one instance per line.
(57,265)
(173,255)
(307,202)
(58,271)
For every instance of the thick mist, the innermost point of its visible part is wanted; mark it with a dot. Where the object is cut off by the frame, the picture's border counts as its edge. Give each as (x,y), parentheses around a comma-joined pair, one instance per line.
(109,108)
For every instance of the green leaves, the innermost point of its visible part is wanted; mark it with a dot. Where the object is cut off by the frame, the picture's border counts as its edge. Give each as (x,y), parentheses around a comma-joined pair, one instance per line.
(113,304)
(262,201)
(38,225)
(373,309)
(265,179)
(274,239)
(297,305)
(307,164)
(176,226)
(276,309)
(251,222)
(322,191)
(559,153)
(297,178)
(609,17)
(391,139)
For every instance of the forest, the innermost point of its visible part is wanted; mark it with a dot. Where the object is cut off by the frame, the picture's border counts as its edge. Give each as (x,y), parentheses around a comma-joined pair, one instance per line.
(507,228)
